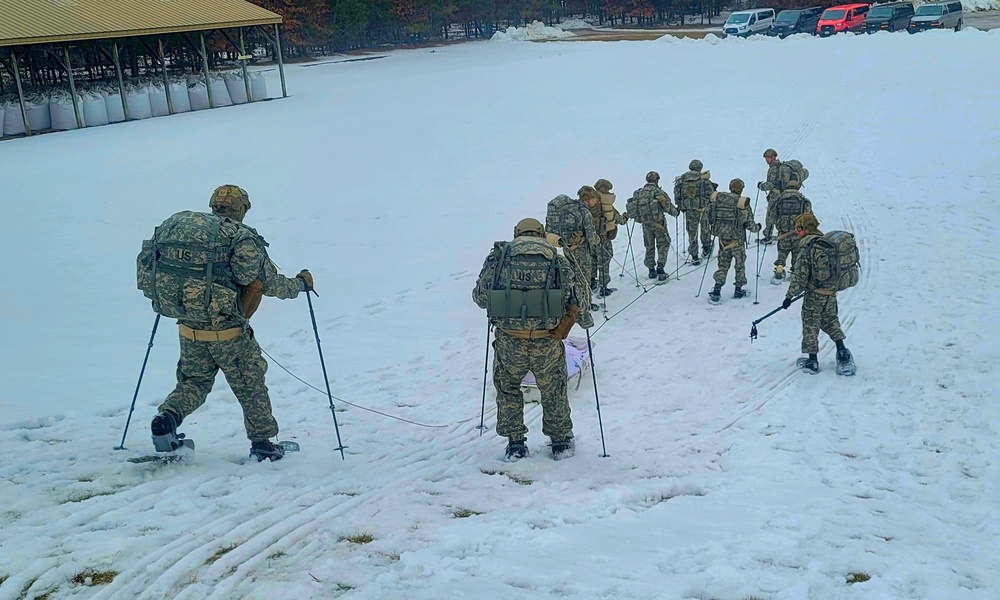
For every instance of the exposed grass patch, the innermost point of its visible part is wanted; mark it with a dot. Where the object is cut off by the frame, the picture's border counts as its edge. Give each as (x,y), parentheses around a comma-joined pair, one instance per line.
(518,479)
(364,537)
(220,553)
(464,513)
(47,594)
(343,587)
(82,496)
(858,577)
(3,578)
(95,577)
(277,554)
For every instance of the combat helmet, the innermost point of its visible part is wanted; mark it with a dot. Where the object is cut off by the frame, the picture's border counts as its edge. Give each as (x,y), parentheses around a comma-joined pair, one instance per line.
(770,153)
(652,177)
(736,186)
(230,201)
(603,185)
(793,183)
(587,192)
(529,226)
(696,165)
(806,221)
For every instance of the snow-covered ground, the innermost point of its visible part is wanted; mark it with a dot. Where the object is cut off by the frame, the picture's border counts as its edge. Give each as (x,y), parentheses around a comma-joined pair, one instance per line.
(730,474)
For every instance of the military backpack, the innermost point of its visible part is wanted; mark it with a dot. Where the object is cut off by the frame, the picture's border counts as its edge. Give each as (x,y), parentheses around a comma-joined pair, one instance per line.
(184,269)
(564,217)
(644,205)
(688,189)
(788,208)
(526,292)
(794,169)
(724,217)
(835,261)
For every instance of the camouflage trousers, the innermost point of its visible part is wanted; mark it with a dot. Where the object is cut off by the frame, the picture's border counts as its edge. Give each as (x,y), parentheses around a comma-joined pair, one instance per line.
(786,246)
(730,250)
(656,238)
(582,262)
(771,217)
(819,311)
(241,362)
(692,219)
(546,359)
(602,263)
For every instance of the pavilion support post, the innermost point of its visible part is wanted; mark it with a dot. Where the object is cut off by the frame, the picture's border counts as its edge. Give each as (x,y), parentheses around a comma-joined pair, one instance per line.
(281,62)
(20,90)
(121,79)
(166,80)
(204,66)
(243,61)
(72,88)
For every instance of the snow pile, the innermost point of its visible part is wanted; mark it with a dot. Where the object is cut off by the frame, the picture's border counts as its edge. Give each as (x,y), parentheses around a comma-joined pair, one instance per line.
(981,4)
(535,31)
(575,23)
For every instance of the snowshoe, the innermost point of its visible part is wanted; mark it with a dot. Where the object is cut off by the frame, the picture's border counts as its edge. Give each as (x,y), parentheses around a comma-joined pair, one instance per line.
(778,278)
(706,251)
(766,240)
(605,292)
(808,364)
(715,296)
(652,273)
(845,363)
(163,429)
(563,448)
(593,283)
(740,293)
(516,450)
(661,275)
(696,260)
(595,306)
(266,449)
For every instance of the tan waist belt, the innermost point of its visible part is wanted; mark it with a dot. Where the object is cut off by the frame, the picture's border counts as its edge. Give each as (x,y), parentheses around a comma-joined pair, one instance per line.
(826,292)
(200,335)
(531,334)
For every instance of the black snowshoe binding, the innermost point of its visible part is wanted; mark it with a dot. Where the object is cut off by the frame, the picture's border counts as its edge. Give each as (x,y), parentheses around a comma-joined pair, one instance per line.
(516,450)
(845,363)
(778,277)
(767,239)
(715,296)
(266,449)
(652,273)
(660,274)
(695,260)
(739,292)
(808,364)
(593,283)
(706,251)
(164,432)
(563,448)
(606,291)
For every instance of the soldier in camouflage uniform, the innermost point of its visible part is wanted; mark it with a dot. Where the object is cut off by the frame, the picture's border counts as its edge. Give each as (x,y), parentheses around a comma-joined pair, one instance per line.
(692,191)
(606,221)
(530,329)
(227,341)
(819,305)
(789,205)
(570,220)
(655,235)
(729,215)
(773,185)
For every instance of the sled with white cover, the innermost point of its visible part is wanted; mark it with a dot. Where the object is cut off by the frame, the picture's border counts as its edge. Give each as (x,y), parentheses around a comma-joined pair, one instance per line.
(577,363)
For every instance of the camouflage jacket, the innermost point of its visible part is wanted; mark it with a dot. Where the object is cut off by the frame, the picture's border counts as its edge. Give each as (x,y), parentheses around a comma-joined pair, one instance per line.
(527,259)
(774,184)
(802,274)
(249,263)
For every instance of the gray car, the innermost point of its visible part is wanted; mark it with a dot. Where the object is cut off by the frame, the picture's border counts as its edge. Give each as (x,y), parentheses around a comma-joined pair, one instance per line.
(937,15)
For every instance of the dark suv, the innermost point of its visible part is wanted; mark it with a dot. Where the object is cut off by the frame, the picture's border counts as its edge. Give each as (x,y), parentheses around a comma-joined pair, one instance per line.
(889,17)
(795,20)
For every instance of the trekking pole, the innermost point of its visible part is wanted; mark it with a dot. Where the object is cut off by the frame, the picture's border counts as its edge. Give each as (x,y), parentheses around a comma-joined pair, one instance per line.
(156,323)
(602,287)
(597,397)
(628,229)
(677,251)
(760,259)
(635,270)
(756,286)
(326,380)
(705,272)
(753,326)
(486,366)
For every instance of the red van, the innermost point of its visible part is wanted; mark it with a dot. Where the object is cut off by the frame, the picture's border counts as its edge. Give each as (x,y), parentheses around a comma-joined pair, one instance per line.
(838,19)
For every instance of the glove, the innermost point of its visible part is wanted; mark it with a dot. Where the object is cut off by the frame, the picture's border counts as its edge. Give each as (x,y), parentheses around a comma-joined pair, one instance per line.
(250,297)
(624,217)
(760,185)
(307,279)
(561,331)
(756,227)
(554,239)
(786,303)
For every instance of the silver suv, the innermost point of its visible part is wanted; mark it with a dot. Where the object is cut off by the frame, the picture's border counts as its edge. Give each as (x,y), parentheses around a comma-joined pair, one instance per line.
(937,15)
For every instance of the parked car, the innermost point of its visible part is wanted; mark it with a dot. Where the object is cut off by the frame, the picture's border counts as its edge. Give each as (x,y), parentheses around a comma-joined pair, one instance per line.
(838,19)
(937,15)
(744,23)
(795,20)
(889,17)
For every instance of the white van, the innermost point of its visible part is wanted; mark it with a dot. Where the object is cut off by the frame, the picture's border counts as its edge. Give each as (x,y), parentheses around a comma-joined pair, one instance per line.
(744,23)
